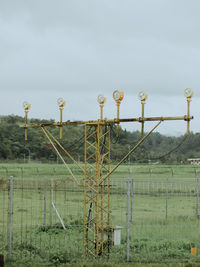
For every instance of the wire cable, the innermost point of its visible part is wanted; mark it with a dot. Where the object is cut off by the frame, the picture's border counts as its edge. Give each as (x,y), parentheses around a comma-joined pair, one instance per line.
(114,134)
(172,150)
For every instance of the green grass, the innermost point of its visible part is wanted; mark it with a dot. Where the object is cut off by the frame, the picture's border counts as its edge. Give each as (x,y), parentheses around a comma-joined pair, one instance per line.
(155,239)
(58,170)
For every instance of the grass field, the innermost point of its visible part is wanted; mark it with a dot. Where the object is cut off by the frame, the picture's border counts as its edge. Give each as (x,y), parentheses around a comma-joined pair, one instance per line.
(155,238)
(124,171)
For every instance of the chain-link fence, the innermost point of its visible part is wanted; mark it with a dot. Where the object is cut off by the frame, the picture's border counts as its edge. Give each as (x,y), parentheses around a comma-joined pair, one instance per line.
(42,219)
(162,218)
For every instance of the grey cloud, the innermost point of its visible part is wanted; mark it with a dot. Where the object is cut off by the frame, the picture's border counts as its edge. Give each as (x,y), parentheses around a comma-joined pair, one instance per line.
(86,45)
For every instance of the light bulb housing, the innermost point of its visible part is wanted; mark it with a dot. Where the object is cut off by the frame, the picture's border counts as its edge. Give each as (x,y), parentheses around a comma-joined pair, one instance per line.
(118,95)
(188,92)
(26,105)
(142,96)
(61,102)
(101,99)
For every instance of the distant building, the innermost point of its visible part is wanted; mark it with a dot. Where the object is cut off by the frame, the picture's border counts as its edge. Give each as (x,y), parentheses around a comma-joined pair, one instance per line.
(194,161)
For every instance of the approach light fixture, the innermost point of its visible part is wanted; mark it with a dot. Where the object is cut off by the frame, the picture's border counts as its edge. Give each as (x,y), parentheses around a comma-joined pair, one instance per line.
(101,99)
(61,102)
(26,105)
(188,92)
(97,155)
(118,95)
(142,96)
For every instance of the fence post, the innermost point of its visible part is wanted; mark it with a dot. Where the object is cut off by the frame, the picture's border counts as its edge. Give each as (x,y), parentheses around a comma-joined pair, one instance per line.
(195,172)
(22,173)
(197,196)
(45,200)
(172,171)
(132,189)
(6,172)
(10,217)
(51,213)
(166,210)
(150,180)
(128,221)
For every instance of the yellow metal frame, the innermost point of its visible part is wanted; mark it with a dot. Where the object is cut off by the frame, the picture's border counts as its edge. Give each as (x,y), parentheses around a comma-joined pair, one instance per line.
(97,225)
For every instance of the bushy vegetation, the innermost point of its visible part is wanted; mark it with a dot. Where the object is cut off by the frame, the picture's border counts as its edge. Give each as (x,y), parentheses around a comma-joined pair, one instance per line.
(144,251)
(157,147)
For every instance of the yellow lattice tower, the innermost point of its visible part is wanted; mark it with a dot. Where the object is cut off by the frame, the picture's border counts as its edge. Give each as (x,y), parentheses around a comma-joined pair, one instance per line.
(97,192)
(97,230)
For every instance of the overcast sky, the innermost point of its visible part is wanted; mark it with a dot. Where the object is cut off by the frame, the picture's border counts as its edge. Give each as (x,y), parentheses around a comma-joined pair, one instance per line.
(76,49)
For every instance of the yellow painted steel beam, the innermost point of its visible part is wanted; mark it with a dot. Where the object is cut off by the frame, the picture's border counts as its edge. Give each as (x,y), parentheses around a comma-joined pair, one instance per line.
(106,122)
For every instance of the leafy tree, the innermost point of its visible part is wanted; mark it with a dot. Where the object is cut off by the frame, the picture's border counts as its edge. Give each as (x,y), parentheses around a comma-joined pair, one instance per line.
(156,147)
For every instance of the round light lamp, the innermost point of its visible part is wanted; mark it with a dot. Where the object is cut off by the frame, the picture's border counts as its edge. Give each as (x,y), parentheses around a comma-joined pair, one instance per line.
(188,92)
(61,102)
(142,96)
(118,95)
(101,99)
(26,105)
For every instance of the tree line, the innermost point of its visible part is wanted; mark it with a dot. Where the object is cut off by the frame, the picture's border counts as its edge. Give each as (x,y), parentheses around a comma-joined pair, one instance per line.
(156,148)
